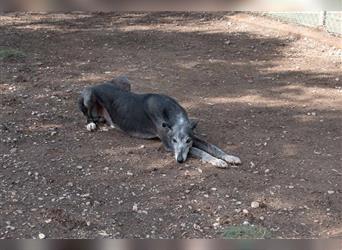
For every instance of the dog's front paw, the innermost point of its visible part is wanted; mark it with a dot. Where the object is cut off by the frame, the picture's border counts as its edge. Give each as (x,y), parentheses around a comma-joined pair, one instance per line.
(232,159)
(91,126)
(219,163)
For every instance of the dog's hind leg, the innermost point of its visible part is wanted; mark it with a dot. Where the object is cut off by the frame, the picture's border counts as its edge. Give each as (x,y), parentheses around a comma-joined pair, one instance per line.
(205,157)
(215,151)
(87,104)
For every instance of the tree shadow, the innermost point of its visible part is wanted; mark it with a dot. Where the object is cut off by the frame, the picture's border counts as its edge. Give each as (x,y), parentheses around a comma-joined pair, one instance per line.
(224,77)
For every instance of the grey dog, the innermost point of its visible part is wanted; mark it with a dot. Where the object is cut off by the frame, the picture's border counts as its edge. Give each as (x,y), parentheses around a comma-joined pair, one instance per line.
(148,116)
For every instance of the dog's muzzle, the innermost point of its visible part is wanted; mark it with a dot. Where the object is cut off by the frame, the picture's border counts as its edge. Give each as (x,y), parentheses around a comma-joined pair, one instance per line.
(180,158)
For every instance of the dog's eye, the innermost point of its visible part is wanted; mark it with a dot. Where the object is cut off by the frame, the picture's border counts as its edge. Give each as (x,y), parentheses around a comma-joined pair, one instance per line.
(174,140)
(188,140)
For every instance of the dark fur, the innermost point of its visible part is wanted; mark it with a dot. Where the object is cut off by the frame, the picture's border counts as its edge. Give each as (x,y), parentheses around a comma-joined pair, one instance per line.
(141,115)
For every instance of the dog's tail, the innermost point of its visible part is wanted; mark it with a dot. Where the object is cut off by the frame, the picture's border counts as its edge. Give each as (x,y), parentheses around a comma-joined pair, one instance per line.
(122,82)
(81,105)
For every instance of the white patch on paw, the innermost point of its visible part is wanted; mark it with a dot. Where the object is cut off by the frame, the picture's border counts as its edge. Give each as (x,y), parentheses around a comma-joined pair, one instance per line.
(219,163)
(91,126)
(232,159)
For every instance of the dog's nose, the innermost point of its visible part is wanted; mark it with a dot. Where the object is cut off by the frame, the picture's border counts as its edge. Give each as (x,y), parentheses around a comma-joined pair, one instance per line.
(180,159)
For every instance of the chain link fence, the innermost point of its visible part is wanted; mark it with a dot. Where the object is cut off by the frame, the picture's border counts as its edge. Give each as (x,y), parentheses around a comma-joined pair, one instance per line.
(331,21)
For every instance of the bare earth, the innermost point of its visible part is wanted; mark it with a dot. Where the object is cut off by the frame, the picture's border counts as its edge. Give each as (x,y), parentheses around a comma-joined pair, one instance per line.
(261,91)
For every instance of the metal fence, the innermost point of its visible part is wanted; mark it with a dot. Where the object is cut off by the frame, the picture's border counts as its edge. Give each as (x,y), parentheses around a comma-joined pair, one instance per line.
(331,21)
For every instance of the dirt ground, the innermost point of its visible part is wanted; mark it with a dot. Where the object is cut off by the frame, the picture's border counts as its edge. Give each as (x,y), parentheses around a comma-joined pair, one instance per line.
(261,90)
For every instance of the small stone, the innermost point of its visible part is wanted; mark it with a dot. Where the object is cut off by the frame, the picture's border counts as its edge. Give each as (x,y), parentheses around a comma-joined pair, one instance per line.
(245,223)
(261,217)
(213,189)
(255,204)
(267,171)
(13,150)
(216,225)
(103,233)
(245,211)
(41,236)
(48,221)
(135,207)
(129,173)
(79,167)
(142,146)
(331,191)
(291,187)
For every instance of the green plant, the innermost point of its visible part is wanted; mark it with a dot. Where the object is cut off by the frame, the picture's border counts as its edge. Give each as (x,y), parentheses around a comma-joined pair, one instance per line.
(246,232)
(15,54)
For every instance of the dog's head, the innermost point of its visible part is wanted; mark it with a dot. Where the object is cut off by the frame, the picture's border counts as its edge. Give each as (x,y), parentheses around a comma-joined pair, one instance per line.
(180,139)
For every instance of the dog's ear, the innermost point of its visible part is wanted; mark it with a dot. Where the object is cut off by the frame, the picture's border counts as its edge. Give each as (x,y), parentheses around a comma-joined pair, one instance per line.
(166,125)
(193,124)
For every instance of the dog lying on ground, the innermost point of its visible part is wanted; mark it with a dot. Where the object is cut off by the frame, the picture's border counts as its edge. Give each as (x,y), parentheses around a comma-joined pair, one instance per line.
(149,116)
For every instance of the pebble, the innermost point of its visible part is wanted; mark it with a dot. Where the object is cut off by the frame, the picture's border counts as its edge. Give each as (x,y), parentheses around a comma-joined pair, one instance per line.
(79,167)
(245,211)
(331,191)
(10,227)
(255,204)
(41,236)
(103,233)
(135,207)
(216,225)
(13,150)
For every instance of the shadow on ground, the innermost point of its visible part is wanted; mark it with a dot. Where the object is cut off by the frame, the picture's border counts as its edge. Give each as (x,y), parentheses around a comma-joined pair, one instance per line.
(251,90)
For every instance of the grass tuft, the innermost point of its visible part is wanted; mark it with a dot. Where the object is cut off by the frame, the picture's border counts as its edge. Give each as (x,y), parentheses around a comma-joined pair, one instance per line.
(246,232)
(11,54)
